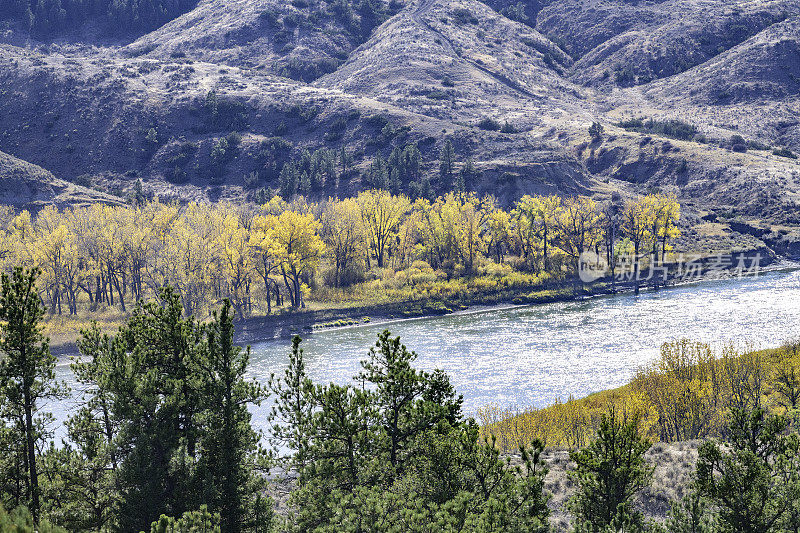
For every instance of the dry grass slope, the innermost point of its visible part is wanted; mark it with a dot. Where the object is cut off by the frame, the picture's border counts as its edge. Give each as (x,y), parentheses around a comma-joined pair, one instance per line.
(434,69)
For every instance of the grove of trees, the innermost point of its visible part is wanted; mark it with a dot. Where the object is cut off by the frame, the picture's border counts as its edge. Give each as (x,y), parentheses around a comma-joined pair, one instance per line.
(277,253)
(46,18)
(162,426)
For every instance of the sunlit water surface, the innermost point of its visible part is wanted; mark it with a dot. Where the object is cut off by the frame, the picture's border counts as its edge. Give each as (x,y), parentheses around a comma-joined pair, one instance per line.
(530,356)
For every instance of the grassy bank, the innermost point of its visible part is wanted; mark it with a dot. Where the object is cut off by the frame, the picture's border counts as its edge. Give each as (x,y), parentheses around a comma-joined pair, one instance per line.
(684,395)
(392,297)
(382,299)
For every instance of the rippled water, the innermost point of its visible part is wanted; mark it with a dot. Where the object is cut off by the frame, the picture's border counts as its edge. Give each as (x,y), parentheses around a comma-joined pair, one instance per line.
(529,356)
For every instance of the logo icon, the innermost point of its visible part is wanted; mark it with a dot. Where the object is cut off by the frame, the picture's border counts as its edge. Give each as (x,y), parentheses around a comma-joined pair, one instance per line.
(591,267)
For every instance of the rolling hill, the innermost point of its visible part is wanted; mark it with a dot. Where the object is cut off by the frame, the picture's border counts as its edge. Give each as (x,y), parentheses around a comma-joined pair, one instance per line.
(514,87)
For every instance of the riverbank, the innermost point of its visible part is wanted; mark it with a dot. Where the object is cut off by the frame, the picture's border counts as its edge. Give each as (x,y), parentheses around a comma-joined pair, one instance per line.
(670,397)
(472,297)
(304,322)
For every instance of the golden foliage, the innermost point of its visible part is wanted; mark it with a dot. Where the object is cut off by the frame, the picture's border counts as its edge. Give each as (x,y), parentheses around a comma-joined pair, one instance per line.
(683,395)
(100,256)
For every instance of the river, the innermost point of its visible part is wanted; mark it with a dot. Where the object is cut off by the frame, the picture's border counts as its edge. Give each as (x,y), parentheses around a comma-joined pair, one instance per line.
(529,356)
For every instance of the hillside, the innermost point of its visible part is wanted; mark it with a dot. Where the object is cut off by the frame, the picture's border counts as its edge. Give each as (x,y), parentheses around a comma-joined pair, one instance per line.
(368,77)
(301,40)
(26,186)
(753,87)
(633,43)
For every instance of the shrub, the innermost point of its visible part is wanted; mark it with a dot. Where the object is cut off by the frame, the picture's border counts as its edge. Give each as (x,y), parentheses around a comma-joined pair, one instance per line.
(674,128)
(377,121)
(438,95)
(740,148)
(515,12)
(757,145)
(784,152)
(177,176)
(596,131)
(84,180)
(624,76)
(263,196)
(464,16)
(489,124)
(508,128)
(224,114)
(737,139)
(184,153)
(336,130)
(251,180)
(234,139)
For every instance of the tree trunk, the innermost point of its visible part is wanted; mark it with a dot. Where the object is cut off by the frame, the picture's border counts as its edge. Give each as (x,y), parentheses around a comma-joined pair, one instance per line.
(297,292)
(115,283)
(31,451)
(636,268)
(544,242)
(655,261)
(288,287)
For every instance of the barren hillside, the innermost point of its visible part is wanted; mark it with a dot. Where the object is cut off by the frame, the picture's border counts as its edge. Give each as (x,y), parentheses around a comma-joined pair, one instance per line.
(26,186)
(514,86)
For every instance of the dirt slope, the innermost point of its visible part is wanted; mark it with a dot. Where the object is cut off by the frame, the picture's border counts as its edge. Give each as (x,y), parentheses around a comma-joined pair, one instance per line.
(310,74)
(27,186)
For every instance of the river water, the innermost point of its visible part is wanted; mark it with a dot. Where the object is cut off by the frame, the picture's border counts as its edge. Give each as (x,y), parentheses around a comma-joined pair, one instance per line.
(529,356)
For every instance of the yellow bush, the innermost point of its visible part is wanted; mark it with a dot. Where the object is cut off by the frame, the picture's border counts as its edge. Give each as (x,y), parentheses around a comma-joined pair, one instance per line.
(685,394)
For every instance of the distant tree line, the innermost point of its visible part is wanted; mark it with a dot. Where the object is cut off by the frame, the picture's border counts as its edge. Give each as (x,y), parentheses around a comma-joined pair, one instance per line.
(310,174)
(47,18)
(106,256)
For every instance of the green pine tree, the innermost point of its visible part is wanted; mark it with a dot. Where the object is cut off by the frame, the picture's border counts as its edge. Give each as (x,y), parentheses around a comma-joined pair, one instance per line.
(410,401)
(230,456)
(393,453)
(157,397)
(27,379)
(291,414)
(609,472)
(752,476)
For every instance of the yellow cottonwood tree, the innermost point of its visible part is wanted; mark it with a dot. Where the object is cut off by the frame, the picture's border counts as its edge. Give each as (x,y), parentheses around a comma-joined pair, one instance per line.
(669,214)
(579,227)
(264,262)
(297,246)
(344,234)
(498,230)
(189,261)
(462,217)
(235,257)
(534,228)
(636,225)
(382,214)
